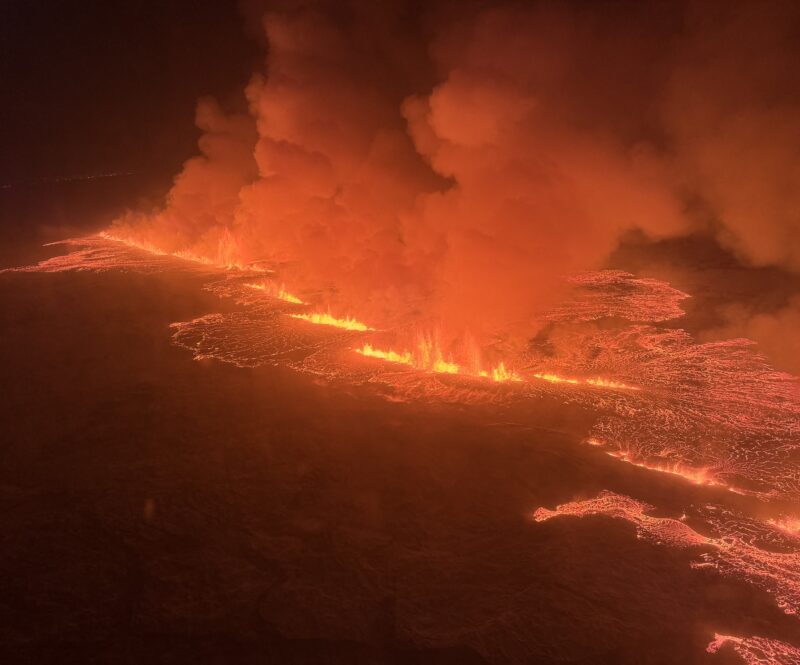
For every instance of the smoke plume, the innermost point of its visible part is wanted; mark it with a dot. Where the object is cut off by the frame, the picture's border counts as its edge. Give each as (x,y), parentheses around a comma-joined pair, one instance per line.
(452,162)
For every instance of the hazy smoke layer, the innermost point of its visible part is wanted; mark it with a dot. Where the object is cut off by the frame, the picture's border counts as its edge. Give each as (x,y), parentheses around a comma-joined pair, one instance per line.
(452,161)
(775,332)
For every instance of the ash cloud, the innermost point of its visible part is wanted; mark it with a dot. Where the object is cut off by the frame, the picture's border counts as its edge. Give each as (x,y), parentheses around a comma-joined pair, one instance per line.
(453,162)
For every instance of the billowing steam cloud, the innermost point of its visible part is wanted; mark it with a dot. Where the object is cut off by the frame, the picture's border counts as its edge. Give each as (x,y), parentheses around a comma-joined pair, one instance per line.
(732,110)
(452,161)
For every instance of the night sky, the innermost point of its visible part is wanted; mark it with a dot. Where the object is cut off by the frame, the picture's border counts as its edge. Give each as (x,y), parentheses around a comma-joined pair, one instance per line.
(94,87)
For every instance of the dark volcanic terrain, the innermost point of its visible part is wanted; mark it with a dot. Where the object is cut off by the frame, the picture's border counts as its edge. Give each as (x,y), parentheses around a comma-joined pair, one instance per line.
(164,510)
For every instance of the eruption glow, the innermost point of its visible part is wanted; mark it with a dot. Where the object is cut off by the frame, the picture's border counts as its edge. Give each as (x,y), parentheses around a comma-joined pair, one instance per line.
(696,476)
(223,260)
(280,293)
(720,393)
(500,373)
(596,382)
(390,356)
(325,319)
(606,383)
(554,378)
(431,361)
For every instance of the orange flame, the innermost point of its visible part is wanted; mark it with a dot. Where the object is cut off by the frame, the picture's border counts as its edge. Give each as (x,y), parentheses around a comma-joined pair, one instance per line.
(429,358)
(596,382)
(281,293)
(554,378)
(606,383)
(186,255)
(389,356)
(500,374)
(224,259)
(324,319)
(288,297)
(446,367)
(146,246)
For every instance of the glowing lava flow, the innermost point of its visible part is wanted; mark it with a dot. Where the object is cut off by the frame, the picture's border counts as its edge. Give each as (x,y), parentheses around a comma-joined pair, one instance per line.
(325,319)
(657,529)
(740,547)
(281,293)
(554,378)
(186,255)
(715,412)
(757,650)
(436,364)
(605,383)
(288,297)
(428,357)
(597,383)
(716,406)
(615,293)
(696,476)
(146,246)
(500,374)
(389,356)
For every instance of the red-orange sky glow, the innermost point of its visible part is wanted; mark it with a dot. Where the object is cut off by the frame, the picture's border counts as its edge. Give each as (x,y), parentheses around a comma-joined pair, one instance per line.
(450,166)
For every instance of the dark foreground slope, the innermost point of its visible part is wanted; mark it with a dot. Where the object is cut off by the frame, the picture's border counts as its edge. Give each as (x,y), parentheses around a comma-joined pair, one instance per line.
(157,509)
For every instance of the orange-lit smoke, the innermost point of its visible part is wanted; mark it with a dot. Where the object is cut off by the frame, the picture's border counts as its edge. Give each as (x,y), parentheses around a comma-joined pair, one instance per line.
(451,165)
(777,332)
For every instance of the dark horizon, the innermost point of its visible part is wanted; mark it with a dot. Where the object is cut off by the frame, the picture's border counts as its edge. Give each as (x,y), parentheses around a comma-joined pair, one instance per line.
(96,87)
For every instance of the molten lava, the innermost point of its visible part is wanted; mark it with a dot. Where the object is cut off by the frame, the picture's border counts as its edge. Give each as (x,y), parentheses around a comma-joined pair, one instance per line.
(325,319)
(757,650)
(596,382)
(737,546)
(554,378)
(428,358)
(279,293)
(389,356)
(500,374)
(224,255)
(696,476)
(606,383)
